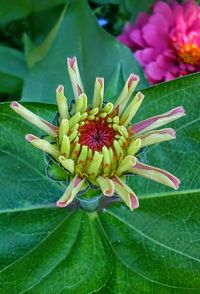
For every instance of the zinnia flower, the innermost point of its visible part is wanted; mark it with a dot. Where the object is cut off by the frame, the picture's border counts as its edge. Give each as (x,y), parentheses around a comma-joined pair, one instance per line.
(96,144)
(167,42)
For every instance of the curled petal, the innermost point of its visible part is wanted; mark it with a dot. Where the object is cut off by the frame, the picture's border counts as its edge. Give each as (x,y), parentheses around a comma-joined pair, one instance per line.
(74,119)
(64,128)
(65,146)
(62,102)
(71,192)
(43,145)
(81,103)
(126,164)
(106,185)
(75,76)
(156,174)
(131,109)
(28,115)
(127,91)
(108,108)
(98,92)
(134,146)
(94,167)
(81,161)
(118,149)
(157,136)
(157,121)
(106,160)
(125,193)
(68,164)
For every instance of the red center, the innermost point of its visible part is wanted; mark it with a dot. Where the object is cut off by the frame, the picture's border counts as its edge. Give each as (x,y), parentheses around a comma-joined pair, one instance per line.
(96,134)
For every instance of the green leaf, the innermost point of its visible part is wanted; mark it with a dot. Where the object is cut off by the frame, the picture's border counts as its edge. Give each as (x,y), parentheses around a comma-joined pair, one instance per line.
(98,54)
(12,70)
(16,9)
(72,256)
(134,7)
(35,54)
(101,2)
(115,84)
(154,249)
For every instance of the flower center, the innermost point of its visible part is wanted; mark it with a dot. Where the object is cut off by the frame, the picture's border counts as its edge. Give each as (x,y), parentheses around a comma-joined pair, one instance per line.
(189,53)
(96,133)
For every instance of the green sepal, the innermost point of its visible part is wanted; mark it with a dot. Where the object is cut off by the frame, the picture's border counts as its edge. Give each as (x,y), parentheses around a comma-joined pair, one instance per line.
(56,173)
(90,200)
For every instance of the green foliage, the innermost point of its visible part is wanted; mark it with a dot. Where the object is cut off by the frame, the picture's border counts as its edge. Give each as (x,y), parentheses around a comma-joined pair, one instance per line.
(46,250)
(72,35)
(106,1)
(134,7)
(12,70)
(155,248)
(17,9)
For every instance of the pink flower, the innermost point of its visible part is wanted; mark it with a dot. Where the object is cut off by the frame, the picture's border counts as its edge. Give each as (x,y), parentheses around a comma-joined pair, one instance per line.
(167,42)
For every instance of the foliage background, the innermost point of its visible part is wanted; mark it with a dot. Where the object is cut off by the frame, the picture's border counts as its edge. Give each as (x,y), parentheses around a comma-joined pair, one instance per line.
(154,249)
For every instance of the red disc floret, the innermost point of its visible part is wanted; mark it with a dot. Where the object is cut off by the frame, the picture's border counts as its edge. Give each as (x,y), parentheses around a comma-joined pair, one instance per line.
(95,134)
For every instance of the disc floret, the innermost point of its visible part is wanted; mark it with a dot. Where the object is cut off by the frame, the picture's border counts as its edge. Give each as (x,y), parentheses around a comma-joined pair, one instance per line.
(96,144)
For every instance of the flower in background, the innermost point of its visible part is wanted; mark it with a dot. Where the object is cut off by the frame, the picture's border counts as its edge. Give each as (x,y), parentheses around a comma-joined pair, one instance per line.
(167,42)
(96,144)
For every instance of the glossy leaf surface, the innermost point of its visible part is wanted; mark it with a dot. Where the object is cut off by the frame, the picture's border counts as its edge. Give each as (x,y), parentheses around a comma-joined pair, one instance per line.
(154,249)
(98,54)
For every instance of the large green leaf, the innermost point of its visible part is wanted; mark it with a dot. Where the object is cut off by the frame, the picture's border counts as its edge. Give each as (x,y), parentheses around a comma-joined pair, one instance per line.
(12,70)
(16,9)
(98,53)
(154,249)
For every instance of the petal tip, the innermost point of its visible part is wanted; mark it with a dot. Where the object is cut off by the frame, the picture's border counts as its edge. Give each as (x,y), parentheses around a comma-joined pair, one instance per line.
(61,204)
(100,80)
(177,183)
(133,79)
(60,89)
(140,95)
(71,61)
(181,110)
(30,137)
(134,203)
(108,192)
(14,104)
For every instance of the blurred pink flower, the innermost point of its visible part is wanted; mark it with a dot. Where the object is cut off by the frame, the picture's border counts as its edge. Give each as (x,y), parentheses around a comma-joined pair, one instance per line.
(167,42)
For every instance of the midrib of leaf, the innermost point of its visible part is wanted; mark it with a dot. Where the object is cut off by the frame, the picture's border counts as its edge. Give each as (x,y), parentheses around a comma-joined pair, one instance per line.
(143,198)
(30,208)
(93,261)
(188,124)
(169,194)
